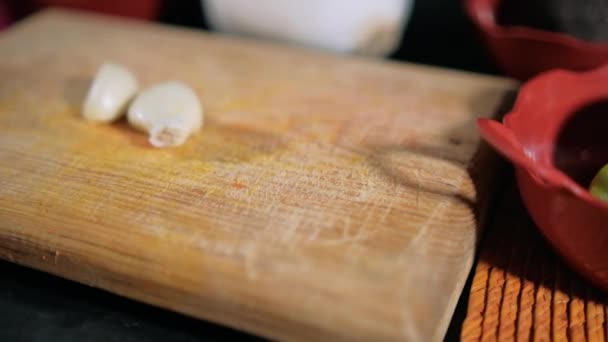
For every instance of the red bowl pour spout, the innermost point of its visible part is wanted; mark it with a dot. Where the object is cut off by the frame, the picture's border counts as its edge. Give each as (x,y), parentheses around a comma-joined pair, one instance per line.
(505,142)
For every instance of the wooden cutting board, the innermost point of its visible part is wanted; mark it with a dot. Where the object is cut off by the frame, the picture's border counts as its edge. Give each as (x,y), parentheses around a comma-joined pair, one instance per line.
(326,197)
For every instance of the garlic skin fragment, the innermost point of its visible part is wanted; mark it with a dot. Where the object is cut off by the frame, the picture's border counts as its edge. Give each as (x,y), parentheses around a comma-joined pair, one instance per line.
(112,89)
(169,112)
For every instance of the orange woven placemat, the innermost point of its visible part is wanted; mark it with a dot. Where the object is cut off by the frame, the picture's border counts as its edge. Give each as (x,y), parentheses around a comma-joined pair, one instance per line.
(522,290)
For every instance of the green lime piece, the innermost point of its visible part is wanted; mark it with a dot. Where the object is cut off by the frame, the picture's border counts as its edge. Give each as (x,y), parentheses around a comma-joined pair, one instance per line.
(599,184)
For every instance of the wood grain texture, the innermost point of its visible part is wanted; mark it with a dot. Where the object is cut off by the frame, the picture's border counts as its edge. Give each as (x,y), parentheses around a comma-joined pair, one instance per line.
(533,295)
(326,197)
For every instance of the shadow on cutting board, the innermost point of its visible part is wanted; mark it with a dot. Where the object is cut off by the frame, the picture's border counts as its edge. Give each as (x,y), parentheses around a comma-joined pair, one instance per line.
(484,158)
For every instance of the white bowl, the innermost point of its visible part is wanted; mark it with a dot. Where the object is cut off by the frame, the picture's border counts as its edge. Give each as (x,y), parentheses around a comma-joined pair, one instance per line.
(366,27)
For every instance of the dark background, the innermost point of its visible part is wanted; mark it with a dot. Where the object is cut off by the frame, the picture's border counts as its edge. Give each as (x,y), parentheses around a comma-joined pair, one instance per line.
(40,307)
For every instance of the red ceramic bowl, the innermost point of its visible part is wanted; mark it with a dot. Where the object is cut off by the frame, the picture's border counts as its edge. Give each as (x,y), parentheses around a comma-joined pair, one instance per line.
(557,137)
(141,9)
(523,52)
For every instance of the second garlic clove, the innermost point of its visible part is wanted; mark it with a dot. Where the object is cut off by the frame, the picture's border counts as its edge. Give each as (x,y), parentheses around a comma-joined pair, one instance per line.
(112,89)
(169,112)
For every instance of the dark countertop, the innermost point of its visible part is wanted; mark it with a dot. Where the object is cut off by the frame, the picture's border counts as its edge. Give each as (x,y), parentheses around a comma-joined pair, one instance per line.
(39,307)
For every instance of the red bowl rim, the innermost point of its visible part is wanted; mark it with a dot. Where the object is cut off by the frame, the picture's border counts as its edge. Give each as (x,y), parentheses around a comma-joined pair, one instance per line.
(520,109)
(483,13)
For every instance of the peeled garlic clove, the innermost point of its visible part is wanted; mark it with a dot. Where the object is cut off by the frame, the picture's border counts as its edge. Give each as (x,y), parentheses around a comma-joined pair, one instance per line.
(169,112)
(112,89)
